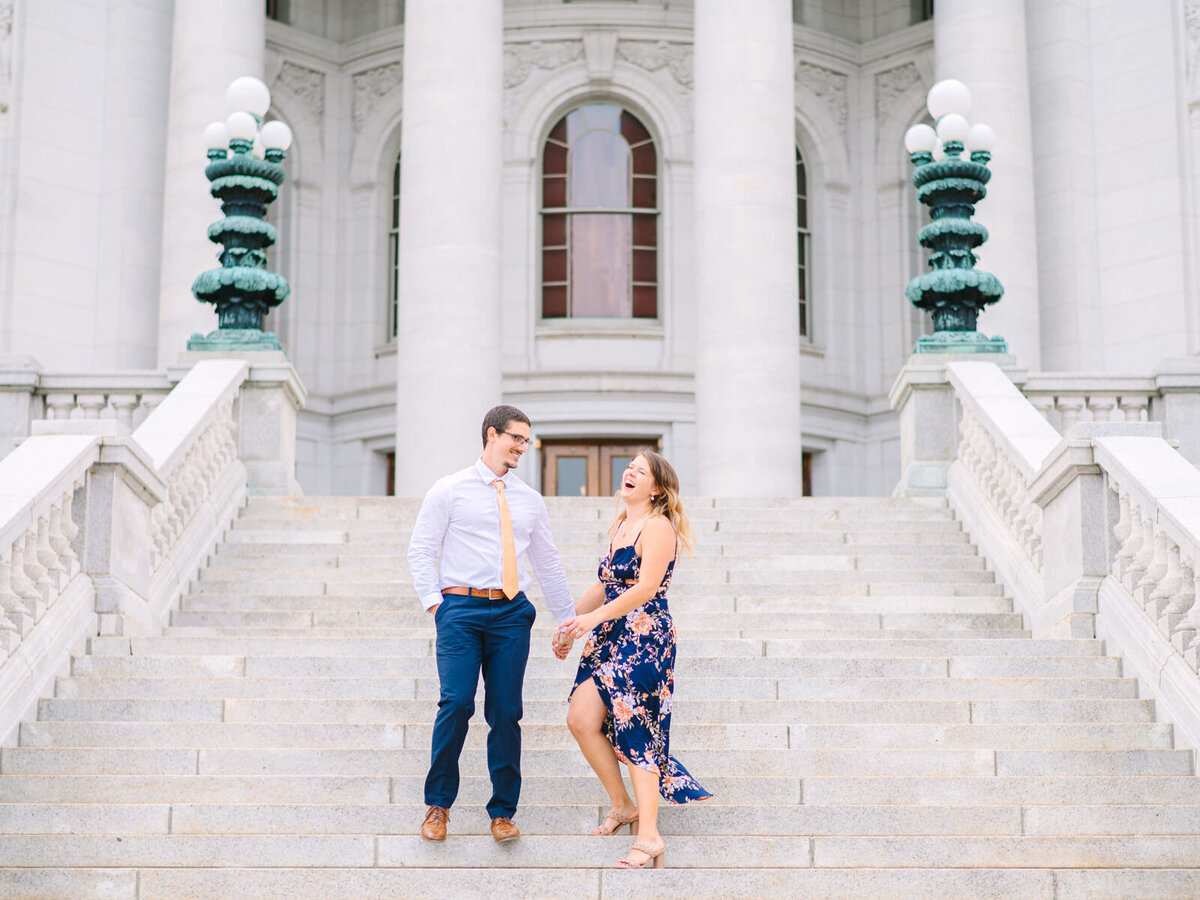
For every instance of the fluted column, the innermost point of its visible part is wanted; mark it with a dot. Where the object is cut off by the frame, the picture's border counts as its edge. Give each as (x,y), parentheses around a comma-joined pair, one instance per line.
(214,42)
(983,45)
(448,342)
(748,353)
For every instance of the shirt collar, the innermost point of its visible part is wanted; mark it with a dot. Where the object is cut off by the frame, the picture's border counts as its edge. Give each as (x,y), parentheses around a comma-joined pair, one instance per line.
(488,475)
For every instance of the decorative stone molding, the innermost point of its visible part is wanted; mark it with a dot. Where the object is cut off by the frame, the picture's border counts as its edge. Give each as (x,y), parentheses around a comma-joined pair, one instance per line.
(830,86)
(891,84)
(655,55)
(307,84)
(521,59)
(600,53)
(372,85)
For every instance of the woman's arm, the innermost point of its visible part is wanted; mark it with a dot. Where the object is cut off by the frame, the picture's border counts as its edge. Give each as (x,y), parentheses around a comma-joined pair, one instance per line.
(592,598)
(657,548)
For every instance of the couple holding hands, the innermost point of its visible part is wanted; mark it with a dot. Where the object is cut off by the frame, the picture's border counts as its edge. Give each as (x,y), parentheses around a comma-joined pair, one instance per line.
(481,520)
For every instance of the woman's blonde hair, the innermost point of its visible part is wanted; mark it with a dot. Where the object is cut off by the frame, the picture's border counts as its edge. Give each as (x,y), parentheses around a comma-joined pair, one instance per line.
(666,501)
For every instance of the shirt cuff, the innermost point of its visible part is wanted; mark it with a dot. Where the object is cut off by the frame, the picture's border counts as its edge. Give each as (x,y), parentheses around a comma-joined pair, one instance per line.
(431,600)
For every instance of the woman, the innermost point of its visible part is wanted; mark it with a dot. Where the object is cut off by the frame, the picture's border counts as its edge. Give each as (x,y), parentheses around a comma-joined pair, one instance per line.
(621,703)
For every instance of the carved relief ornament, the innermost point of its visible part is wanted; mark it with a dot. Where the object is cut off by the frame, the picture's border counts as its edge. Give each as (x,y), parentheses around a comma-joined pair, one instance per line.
(371,85)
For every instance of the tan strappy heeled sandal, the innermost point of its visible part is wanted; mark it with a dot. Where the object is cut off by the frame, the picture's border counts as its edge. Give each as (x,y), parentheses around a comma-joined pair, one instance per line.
(621,821)
(653,855)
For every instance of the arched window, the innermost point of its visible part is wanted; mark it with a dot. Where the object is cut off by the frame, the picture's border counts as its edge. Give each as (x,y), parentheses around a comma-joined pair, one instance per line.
(804,251)
(599,216)
(393,242)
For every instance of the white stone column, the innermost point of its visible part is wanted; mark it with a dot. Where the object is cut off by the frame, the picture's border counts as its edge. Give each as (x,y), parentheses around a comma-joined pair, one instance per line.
(214,42)
(448,343)
(983,46)
(748,343)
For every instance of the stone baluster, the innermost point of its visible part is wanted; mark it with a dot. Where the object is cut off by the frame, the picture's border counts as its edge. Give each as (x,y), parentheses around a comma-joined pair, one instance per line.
(91,404)
(1140,550)
(33,584)
(123,406)
(1043,403)
(1187,638)
(48,556)
(1122,531)
(1144,564)
(1174,618)
(59,405)
(1102,408)
(1166,590)
(1134,408)
(10,605)
(1070,409)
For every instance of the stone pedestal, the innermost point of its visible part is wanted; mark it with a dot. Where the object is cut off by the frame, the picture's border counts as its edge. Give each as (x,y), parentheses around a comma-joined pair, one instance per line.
(924,400)
(214,42)
(122,488)
(268,402)
(748,333)
(1070,489)
(1178,404)
(983,45)
(448,343)
(19,376)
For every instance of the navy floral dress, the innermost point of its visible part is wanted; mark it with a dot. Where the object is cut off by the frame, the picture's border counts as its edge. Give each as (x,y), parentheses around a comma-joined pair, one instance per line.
(632,662)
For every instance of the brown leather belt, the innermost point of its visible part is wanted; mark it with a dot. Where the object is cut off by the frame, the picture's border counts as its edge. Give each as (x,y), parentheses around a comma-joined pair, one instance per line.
(482,593)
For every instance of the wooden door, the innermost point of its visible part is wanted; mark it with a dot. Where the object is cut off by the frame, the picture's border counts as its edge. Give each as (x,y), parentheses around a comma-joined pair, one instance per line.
(587,467)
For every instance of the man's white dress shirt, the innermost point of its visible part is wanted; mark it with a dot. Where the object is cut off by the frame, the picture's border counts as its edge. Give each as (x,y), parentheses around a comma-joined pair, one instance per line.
(461,518)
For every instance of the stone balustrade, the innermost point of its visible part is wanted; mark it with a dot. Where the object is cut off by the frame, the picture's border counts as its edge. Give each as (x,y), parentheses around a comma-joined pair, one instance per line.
(124,397)
(1095,531)
(101,533)
(1065,399)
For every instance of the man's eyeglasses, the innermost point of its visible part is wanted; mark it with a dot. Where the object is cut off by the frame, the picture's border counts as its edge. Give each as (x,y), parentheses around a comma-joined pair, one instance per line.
(519,439)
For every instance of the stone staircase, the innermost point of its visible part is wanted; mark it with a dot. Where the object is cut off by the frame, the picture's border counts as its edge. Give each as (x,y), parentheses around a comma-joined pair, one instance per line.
(852,685)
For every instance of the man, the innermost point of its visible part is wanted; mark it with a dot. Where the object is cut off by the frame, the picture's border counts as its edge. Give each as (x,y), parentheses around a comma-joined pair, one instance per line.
(482,520)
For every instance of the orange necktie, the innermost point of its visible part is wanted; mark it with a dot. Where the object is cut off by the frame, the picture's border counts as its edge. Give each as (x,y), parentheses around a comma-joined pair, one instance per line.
(511,585)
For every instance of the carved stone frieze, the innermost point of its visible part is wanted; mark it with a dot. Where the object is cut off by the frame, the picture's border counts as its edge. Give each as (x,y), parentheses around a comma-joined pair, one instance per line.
(830,86)
(307,84)
(891,84)
(372,85)
(521,59)
(654,55)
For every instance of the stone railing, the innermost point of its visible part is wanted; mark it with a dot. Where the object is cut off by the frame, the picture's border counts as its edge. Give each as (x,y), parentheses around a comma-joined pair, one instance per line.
(102,533)
(124,397)
(1065,399)
(1094,531)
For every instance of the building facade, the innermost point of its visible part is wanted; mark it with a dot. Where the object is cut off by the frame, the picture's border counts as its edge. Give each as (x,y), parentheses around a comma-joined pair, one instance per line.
(642,221)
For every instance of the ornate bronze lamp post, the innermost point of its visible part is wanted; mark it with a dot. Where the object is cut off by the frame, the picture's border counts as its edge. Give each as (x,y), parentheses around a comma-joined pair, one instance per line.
(246,169)
(953,291)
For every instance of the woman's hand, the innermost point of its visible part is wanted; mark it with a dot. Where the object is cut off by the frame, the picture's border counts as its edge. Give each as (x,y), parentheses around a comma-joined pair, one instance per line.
(578,626)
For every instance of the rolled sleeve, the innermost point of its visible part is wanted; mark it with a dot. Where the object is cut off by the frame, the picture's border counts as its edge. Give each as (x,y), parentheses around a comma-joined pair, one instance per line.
(547,566)
(428,533)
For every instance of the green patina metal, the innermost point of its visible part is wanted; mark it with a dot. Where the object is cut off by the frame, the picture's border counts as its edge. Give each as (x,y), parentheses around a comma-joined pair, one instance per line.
(243,289)
(953,292)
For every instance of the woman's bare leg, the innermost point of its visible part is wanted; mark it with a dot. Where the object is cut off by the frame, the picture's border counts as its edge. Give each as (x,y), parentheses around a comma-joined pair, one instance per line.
(585,718)
(645,789)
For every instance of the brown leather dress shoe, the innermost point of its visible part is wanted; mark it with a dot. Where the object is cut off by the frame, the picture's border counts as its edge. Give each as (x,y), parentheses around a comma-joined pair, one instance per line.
(504,830)
(434,826)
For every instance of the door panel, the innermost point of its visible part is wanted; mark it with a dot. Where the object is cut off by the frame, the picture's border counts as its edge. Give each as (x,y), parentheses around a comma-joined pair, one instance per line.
(589,467)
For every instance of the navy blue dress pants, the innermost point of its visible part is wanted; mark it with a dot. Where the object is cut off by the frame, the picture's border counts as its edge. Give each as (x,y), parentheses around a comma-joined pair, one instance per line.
(476,634)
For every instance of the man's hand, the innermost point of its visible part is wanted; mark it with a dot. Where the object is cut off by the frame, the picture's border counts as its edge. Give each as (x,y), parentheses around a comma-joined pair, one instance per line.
(561,644)
(433,609)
